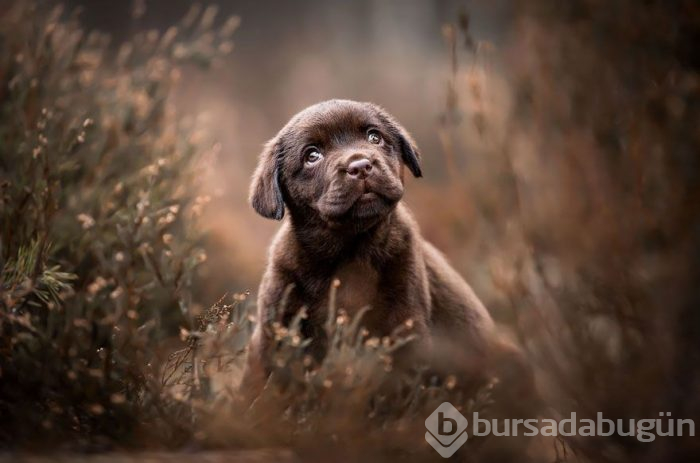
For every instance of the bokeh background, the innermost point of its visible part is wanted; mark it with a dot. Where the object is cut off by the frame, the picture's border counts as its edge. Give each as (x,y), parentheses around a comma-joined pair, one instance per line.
(289,55)
(560,143)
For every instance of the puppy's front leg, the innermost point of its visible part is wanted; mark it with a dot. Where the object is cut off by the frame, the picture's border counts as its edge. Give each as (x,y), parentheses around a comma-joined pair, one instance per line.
(270,297)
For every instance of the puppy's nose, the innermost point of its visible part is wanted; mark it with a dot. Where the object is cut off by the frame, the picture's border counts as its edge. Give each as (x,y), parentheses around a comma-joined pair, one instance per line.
(359,168)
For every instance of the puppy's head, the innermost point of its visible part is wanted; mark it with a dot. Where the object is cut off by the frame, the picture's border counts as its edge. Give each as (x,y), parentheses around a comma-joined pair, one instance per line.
(338,161)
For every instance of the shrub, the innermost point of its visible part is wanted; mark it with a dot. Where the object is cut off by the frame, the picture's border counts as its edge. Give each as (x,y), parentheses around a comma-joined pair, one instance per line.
(99,207)
(590,205)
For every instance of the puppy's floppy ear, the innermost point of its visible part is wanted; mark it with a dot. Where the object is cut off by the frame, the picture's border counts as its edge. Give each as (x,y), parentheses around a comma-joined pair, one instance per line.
(265,193)
(409,151)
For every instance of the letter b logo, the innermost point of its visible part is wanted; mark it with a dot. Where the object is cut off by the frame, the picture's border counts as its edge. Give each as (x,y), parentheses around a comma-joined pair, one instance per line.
(446,430)
(443,428)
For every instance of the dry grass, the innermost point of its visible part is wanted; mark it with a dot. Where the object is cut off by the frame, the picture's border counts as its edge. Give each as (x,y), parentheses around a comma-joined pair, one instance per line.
(100,232)
(587,218)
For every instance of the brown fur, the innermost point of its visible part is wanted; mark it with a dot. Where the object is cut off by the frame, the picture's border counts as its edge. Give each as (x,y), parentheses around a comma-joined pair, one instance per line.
(370,243)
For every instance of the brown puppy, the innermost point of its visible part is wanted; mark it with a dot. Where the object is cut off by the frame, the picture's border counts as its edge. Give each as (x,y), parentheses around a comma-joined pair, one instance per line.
(338,167)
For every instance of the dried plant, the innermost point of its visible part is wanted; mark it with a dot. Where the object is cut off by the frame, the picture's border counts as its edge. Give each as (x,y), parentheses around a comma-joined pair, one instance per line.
(99,206)
(579,145)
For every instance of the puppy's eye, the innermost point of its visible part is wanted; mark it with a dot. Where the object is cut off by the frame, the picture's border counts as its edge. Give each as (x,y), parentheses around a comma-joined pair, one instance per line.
(374,137)
(312,156)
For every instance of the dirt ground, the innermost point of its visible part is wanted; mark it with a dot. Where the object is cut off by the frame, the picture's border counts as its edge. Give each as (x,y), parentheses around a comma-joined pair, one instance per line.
(246,456)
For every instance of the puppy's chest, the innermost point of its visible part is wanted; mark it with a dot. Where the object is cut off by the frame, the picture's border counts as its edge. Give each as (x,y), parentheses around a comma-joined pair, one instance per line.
(359,286)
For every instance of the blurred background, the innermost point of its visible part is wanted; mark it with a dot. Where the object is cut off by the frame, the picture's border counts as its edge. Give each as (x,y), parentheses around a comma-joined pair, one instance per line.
(560,145)
(289,55)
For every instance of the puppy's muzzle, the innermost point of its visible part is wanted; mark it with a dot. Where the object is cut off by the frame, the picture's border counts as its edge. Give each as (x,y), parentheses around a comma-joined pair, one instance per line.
(359,168)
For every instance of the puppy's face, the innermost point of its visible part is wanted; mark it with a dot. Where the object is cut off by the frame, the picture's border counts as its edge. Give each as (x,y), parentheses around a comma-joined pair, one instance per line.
(339,161)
